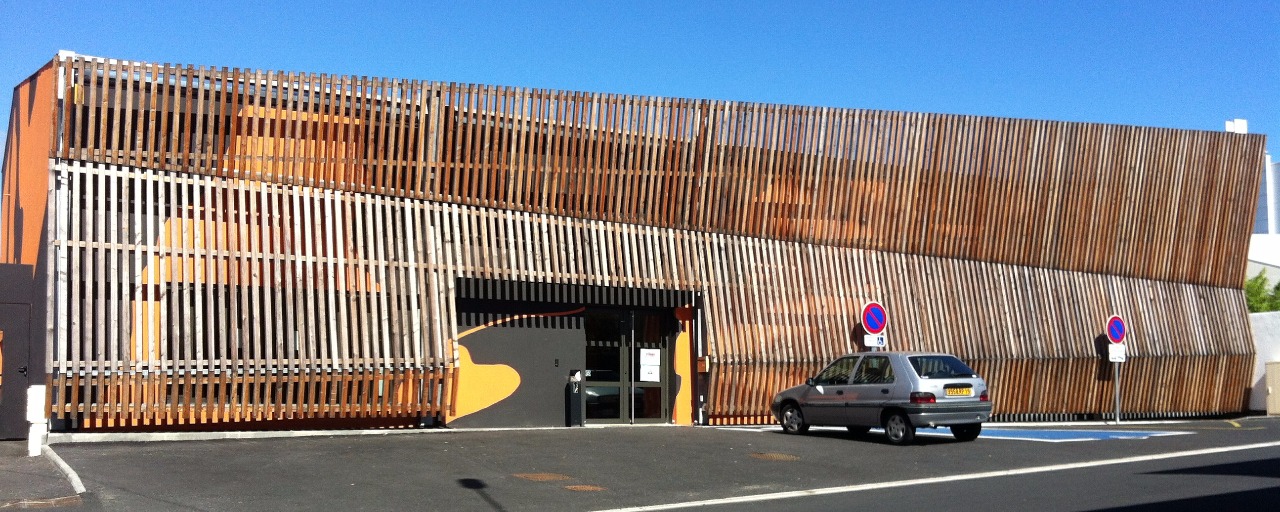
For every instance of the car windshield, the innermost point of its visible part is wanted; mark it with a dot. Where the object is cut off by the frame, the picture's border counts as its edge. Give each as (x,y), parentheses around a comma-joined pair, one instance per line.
(941,367)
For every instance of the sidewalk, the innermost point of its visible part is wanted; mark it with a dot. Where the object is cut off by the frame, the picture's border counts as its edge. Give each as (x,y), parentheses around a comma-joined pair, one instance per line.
(31,482)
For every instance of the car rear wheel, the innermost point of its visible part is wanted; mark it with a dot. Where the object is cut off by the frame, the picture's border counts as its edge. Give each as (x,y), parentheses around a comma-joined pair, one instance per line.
(966,432)
(898,428)
(793,420)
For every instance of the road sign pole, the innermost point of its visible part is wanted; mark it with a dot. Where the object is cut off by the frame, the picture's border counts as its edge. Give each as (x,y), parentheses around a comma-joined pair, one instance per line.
(1115,372)
(1117,353)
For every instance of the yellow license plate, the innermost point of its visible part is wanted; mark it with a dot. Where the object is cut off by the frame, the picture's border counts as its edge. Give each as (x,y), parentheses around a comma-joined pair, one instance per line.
(960,392)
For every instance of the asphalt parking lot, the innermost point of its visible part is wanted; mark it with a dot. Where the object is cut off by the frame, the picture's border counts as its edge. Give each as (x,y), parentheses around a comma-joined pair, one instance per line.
(573,469)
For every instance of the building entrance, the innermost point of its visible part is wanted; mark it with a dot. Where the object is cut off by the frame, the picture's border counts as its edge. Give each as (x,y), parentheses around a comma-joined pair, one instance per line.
(14,374)
(627,366)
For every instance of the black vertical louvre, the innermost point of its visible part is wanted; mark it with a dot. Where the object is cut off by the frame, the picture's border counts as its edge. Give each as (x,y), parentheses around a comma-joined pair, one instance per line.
(560,293)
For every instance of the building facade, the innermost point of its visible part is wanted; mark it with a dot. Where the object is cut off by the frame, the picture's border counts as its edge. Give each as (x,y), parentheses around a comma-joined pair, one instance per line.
(214,248)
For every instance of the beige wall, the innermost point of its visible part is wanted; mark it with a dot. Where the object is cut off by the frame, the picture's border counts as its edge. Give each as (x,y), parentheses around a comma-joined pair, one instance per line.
(1266,334)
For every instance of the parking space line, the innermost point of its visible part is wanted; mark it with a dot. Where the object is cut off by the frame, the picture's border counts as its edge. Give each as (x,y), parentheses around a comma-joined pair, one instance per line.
(943,479)
(1070,436)
(1004,434)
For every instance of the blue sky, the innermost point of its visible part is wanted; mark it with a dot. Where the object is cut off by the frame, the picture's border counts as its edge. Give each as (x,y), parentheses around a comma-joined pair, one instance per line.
(1180,64)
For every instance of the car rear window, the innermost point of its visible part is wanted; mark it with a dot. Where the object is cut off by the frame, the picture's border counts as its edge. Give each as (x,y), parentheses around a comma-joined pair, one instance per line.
(941,367)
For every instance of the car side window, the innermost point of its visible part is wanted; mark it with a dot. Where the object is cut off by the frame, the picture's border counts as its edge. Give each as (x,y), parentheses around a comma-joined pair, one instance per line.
(874,370)
(837,373)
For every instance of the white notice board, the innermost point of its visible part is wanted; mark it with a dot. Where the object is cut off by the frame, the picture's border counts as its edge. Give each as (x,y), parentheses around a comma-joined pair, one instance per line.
(1116,352)
(650,365)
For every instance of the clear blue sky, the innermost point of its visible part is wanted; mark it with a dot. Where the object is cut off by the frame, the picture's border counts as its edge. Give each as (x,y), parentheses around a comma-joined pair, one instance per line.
(1182,64)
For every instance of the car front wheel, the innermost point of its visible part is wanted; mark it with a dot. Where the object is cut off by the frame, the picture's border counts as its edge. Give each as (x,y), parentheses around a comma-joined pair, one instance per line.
(898,428)
(793,420)
(966,432)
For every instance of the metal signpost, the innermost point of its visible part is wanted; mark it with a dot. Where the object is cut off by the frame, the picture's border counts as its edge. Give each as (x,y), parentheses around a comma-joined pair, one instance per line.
(873,322)
(1116,353)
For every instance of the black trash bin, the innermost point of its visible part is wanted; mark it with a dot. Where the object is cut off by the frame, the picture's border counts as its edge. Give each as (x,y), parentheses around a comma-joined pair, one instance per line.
(573,400)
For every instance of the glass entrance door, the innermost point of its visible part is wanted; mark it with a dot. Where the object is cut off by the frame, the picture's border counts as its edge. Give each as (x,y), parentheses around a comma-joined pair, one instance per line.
(626,370)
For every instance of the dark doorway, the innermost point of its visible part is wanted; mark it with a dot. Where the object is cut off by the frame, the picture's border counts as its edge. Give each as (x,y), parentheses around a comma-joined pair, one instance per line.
(15,342)
(628,365)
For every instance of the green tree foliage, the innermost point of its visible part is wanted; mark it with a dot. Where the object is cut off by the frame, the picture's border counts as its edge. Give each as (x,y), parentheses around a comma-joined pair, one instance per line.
(1259,296)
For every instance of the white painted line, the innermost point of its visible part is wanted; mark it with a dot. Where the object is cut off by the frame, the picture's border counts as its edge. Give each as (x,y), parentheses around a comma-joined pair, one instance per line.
(943,479)
(144,437)
(1149,435)
(72,477)
(989,434)
(752,429)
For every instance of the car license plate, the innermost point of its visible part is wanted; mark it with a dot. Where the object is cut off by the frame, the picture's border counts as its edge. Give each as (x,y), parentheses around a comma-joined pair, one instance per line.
(959,391)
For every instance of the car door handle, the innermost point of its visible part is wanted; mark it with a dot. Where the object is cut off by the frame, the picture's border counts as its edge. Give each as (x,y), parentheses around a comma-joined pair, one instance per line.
(885,391)
(839,391)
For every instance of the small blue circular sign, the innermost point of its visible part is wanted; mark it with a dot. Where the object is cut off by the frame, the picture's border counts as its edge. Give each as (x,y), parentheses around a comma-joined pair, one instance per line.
(1116,329)
(873,318)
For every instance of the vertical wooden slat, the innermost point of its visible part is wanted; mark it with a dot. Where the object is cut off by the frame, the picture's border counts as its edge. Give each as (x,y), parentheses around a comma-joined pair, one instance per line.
(786,208)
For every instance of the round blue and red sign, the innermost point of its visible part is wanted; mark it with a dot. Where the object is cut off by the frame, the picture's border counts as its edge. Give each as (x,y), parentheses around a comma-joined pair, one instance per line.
(873,318)
(1116,330)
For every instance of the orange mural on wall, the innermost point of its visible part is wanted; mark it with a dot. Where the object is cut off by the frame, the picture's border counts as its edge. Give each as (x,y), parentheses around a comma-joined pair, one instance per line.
(480,386)
(682,408)
(192,246)
(266,144)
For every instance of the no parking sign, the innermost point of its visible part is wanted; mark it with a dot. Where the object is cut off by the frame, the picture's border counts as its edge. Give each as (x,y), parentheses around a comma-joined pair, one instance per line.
(1116,331)
(874,320)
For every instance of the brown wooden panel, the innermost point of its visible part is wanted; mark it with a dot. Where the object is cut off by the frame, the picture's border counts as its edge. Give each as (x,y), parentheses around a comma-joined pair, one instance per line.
(541,150)
(212,398)
(215,214)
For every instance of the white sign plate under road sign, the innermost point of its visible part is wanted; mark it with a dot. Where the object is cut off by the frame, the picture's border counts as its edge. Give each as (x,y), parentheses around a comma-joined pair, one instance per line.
(873,340)
(1116,352)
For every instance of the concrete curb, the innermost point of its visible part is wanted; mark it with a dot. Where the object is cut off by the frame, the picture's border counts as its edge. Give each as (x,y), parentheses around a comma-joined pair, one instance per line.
(72,477)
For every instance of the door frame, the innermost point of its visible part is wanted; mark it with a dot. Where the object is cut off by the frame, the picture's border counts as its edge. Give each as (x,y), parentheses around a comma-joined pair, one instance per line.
(628,354)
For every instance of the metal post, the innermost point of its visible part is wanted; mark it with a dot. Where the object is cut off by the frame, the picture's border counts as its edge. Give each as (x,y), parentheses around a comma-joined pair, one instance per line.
(1115,371)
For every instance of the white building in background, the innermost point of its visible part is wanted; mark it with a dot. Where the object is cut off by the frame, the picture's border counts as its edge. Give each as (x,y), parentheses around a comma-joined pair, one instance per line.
(1264,246)
(1268,219)
(1264,256)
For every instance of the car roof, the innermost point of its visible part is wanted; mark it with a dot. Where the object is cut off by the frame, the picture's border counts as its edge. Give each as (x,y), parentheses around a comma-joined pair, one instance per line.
(900,352)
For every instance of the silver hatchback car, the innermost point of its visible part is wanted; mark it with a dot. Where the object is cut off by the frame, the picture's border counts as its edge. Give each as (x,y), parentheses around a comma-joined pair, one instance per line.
(898,391)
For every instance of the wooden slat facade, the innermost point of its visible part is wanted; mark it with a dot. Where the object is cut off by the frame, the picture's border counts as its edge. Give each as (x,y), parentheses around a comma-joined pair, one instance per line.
(246,244)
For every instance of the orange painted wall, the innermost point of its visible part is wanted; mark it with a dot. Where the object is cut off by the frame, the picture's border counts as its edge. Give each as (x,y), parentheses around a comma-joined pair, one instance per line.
(26,168)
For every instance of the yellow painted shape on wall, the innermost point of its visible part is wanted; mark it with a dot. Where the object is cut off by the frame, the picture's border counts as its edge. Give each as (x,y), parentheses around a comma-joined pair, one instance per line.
(481,385)
(682,410)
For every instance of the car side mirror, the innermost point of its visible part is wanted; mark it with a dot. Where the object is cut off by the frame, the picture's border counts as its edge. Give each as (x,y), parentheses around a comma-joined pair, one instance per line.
(809,381)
